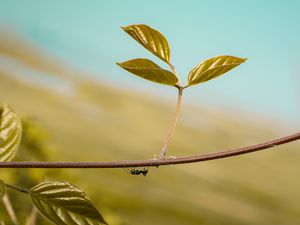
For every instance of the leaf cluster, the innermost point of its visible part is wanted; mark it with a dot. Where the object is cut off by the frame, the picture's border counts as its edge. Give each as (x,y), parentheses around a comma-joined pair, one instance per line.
(157,44)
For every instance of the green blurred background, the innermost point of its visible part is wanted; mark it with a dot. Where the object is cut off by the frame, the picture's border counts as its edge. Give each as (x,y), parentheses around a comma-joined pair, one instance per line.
(57,71)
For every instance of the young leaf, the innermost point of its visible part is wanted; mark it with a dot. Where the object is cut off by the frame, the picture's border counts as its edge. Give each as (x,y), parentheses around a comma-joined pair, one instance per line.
(65,204)
(213,68)
(151,39)
(148,70)
(10,133)
(2,189)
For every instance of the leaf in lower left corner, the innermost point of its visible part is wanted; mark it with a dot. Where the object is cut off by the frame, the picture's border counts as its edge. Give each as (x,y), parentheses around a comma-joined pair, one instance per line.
(64,204)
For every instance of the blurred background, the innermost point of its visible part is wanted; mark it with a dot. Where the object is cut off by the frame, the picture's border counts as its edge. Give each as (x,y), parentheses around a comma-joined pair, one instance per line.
(58,71)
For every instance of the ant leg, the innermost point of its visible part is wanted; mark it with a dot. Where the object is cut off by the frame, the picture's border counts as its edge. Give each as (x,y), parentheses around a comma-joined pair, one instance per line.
(129,170)
(145,171)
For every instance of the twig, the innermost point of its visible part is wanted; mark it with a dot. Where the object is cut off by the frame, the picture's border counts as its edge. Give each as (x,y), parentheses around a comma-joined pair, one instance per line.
(154,162)
(10,210)
(23,190)
(163,151)
(31,220)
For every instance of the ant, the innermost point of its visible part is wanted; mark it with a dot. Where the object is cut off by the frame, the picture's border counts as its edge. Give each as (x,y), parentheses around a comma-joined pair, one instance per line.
(134,171)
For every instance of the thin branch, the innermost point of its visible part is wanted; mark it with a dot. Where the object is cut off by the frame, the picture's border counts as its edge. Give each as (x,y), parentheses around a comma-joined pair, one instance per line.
(164,149)
(31,220)
(8,206)
(155,162)
(23,190)
(173,68)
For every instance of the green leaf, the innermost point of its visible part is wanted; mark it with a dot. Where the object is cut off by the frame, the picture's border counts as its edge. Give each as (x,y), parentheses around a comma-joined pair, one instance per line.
(65,204)
(10,133)
(148,70)
(2,189)
(213,68)
(151,39)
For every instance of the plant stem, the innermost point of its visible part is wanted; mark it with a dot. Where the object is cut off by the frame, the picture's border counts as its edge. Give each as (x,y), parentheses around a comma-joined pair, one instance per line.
(156,162)
(10,210)
(173,68)
(164,149)
(31,220)
(23,190)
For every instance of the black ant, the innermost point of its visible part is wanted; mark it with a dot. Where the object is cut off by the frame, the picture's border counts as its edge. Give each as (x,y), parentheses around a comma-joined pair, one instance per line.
(134,171)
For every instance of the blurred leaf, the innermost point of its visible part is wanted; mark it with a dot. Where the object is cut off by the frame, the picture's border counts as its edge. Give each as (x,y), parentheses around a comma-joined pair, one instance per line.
(147,69)
(213,68)
(35,144)
(65,204)
(2,189)
(10,133)
(151,39)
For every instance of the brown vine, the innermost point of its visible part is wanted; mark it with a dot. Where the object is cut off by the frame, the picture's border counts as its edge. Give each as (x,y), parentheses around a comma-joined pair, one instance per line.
(155,162)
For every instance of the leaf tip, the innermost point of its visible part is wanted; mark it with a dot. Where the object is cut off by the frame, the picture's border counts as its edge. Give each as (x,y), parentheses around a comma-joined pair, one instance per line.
(123,27)
(120,64)
(244,59)
(127,28)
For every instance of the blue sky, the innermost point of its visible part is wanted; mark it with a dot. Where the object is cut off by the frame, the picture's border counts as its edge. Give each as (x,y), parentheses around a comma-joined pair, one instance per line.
(87,35)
